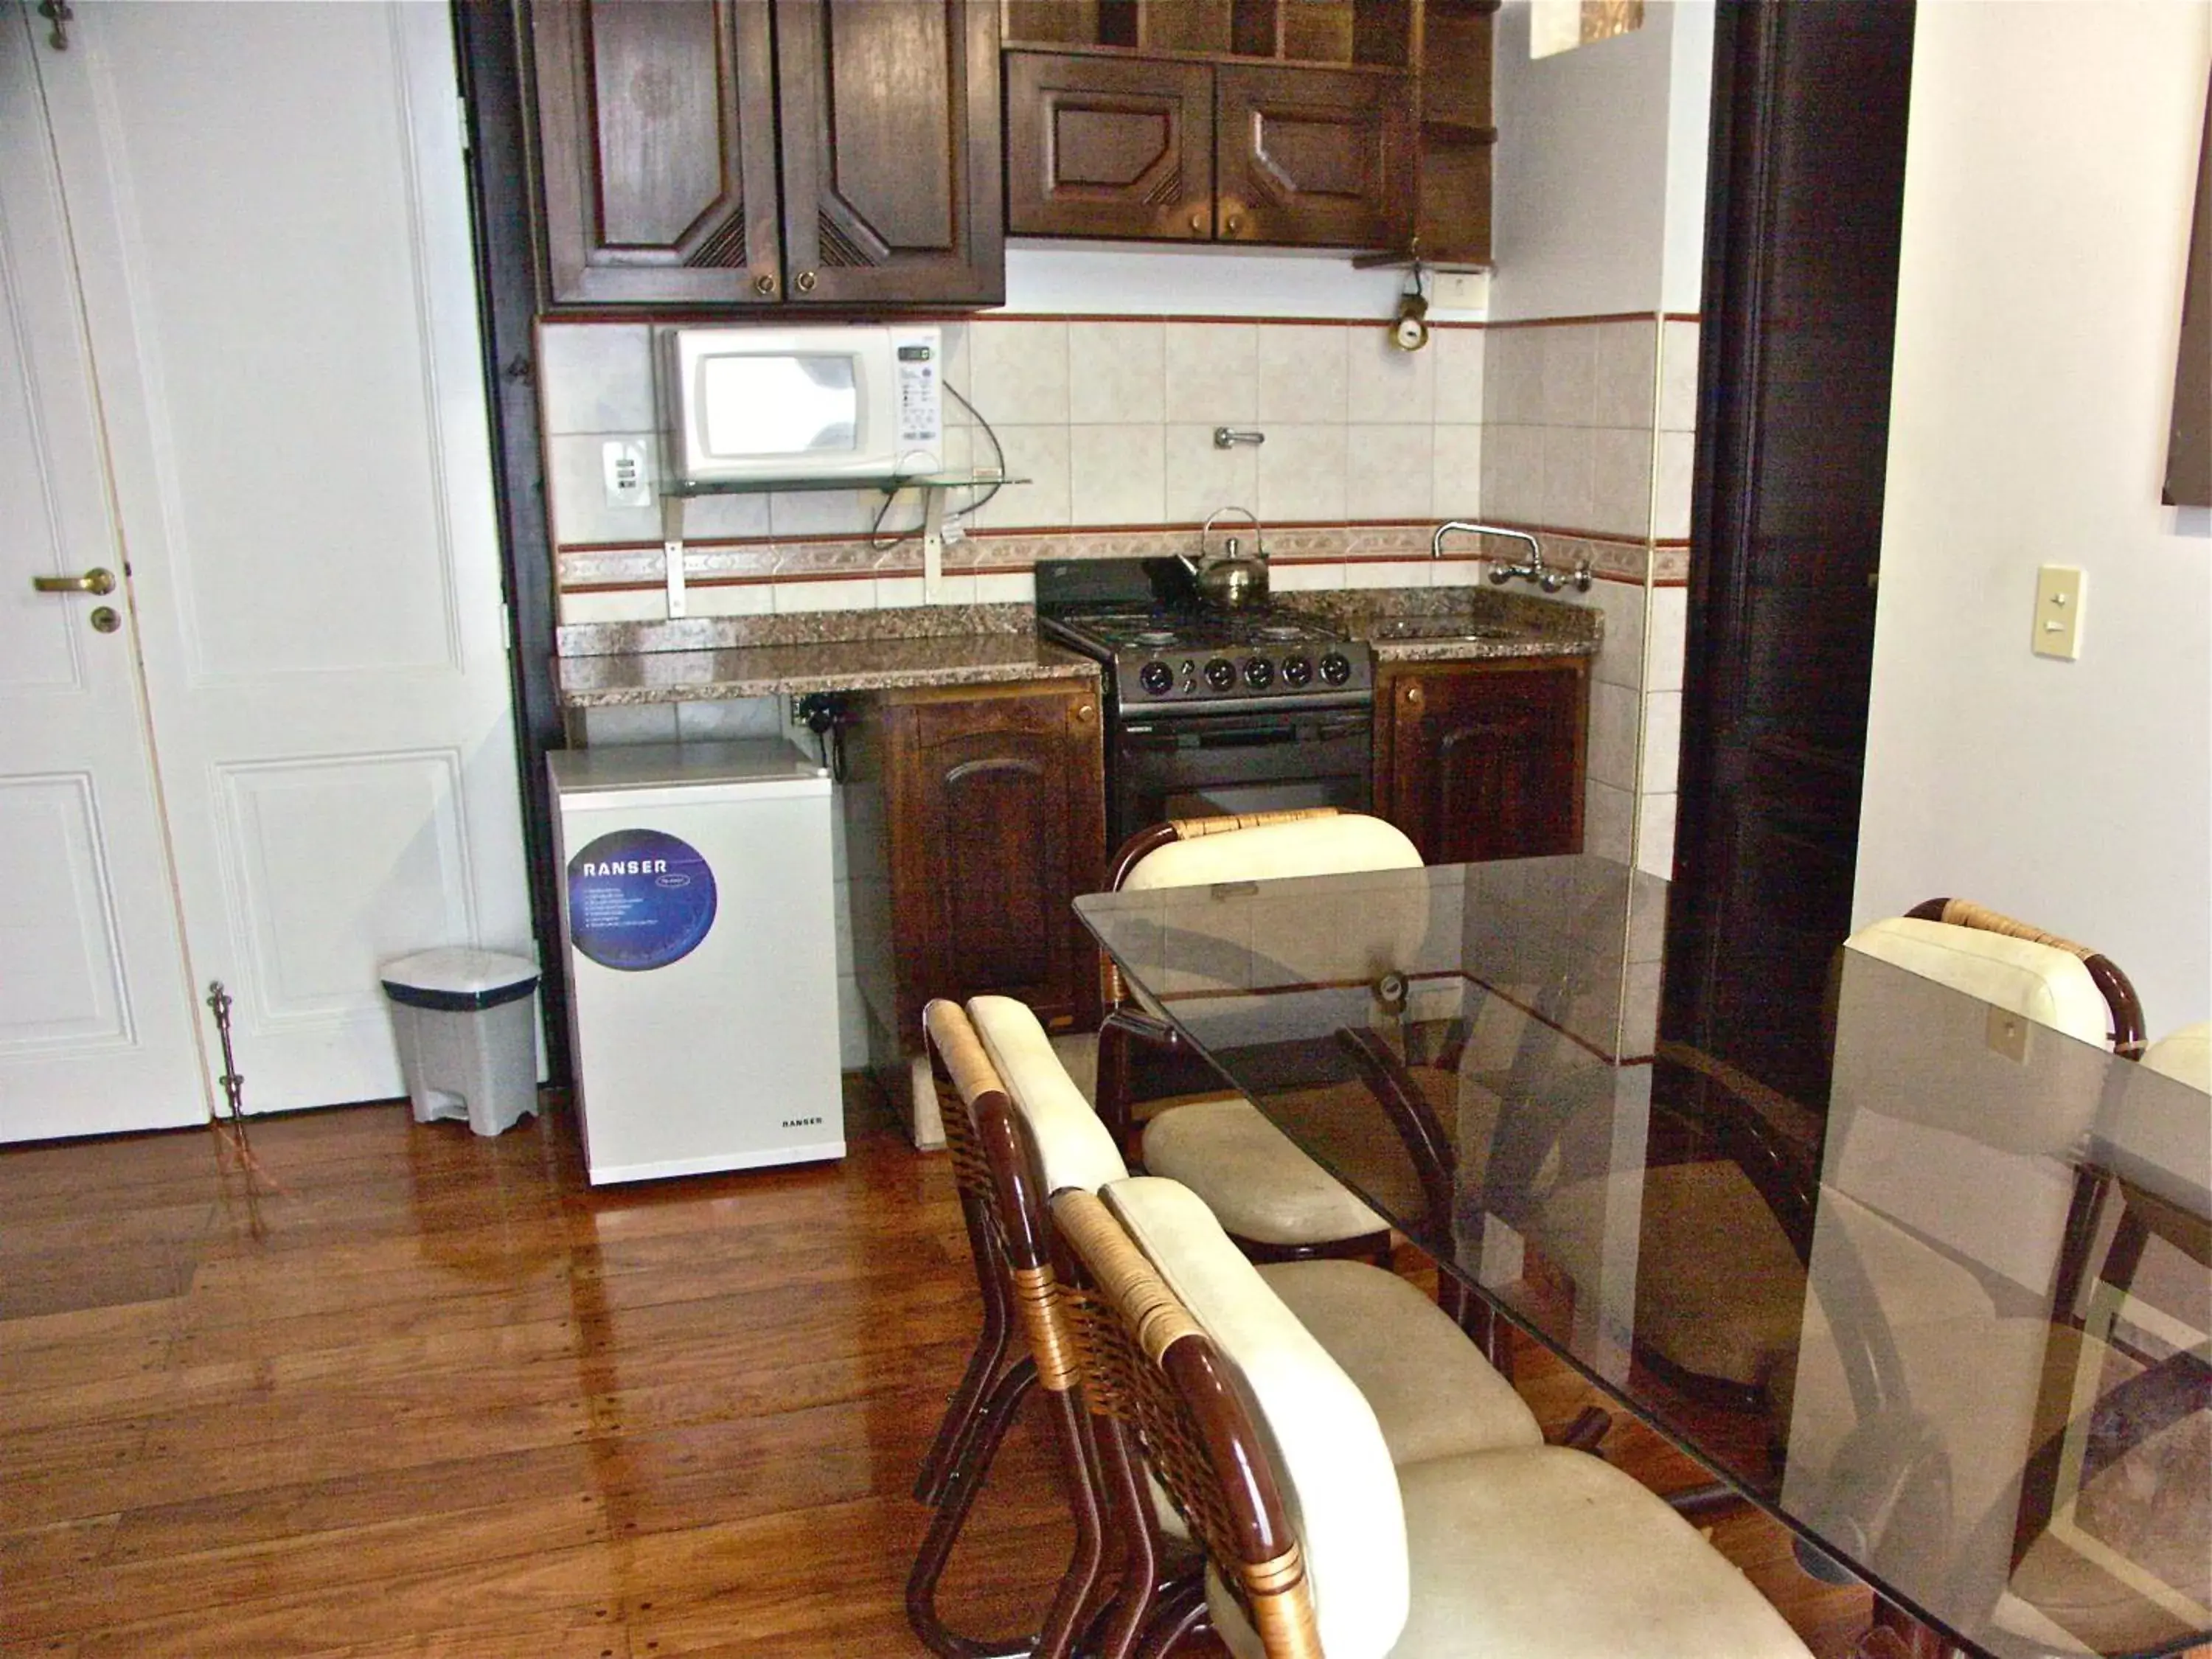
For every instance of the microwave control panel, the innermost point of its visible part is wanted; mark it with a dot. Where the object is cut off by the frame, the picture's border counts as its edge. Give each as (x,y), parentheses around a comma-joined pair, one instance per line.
(918,354)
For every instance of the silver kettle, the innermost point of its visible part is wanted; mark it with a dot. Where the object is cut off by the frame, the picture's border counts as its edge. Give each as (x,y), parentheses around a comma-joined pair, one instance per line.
(1229,580)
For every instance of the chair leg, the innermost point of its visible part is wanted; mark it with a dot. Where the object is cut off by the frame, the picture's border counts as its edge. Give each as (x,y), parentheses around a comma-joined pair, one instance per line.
(958,1431)
(1181,1614)
(1479,1321)
(962,1483)
(1122,1619)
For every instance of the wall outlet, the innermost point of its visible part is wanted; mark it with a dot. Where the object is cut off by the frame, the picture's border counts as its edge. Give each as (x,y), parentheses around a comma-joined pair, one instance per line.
(628,474)
(2057,626)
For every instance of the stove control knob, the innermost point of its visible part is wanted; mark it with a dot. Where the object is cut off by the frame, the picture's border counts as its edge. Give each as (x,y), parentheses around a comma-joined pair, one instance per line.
(1336,668)
(1297,671)
(1259,673)
(1157,677)
(1221,674)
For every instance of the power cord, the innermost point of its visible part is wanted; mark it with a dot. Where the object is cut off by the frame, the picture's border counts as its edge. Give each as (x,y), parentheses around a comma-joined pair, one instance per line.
(999,452)
(824,714)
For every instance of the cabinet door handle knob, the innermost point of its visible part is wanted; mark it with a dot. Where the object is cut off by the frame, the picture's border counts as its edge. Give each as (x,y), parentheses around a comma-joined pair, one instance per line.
(1198,223)
(1413,696)
(1083,711)
(806,281)
(763,285)
(1236,224)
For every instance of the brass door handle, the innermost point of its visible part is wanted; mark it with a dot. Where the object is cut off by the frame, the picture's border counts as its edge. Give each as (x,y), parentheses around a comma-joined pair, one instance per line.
(94,580)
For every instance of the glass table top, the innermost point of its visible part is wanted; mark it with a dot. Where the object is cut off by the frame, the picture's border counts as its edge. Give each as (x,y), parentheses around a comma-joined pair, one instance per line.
(1949,1323)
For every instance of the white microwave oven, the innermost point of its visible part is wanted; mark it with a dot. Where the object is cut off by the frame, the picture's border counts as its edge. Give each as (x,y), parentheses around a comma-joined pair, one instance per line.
(825,402)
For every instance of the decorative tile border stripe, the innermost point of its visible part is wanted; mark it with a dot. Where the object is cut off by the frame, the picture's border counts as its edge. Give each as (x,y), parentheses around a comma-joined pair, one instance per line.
(582,569)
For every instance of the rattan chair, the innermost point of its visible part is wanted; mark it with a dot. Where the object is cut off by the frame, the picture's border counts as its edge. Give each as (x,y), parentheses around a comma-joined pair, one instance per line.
(1318,1543)
(1277,1202)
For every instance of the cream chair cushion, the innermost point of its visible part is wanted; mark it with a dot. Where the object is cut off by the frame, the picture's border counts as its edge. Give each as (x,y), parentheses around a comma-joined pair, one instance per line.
(2037,981)
(1433,1394)
(2184,1056)
(1554,1554)
(1301,846)
(1321,1434)
(1075,1147)
(1252,1176)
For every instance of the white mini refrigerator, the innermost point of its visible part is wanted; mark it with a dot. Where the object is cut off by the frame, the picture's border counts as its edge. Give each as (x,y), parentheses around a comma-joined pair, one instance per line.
(697,915)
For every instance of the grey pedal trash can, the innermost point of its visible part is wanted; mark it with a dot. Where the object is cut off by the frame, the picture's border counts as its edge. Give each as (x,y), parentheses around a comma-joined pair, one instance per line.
(464,1021)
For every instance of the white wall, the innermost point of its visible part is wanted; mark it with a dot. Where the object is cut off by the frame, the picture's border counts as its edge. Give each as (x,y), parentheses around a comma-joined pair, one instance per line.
(1689,118)
(1578,210)
(2049,163)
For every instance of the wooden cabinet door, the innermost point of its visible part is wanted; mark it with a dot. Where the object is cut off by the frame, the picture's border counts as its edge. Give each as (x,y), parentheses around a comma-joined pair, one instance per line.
(1109,147)
(656,125)
(1318,157)
(1482,762)
(996,799)
(891,165)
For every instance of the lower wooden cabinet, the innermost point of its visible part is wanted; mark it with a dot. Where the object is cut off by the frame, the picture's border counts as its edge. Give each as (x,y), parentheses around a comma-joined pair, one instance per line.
(1483,760)
(973,817)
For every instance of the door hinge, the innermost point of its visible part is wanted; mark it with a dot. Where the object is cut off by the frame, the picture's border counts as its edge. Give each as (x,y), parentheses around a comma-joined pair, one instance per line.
(461,105)
(505,629)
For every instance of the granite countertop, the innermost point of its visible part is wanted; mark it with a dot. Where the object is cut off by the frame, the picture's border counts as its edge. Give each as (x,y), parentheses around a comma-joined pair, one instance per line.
(1455,624)
(713,658)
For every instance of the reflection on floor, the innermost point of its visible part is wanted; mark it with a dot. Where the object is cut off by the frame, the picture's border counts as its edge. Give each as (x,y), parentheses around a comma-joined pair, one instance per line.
(419,1393)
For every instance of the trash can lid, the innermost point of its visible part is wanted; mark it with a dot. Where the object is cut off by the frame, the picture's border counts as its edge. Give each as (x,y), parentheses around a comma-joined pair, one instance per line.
(458,980)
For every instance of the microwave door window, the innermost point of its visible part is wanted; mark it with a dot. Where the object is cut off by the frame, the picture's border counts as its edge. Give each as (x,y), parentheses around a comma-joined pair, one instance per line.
(792,405)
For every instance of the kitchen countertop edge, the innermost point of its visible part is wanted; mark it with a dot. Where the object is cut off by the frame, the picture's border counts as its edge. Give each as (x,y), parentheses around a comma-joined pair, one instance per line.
(793,669)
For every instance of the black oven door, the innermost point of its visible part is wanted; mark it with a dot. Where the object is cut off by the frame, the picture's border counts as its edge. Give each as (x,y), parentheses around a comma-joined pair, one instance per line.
(1213,764)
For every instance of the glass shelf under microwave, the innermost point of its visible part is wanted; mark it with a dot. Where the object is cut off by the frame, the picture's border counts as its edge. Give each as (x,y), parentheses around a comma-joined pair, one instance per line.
(688,488)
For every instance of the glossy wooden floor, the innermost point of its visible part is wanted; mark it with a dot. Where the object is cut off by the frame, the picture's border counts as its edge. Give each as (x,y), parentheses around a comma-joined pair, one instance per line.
(416,1394)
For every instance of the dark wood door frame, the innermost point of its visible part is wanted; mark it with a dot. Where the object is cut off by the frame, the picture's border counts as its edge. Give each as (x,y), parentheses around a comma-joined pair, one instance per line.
(1803,207)
(501,202)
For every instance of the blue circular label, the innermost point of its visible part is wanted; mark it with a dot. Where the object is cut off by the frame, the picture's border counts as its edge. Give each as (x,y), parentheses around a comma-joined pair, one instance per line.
(639,899)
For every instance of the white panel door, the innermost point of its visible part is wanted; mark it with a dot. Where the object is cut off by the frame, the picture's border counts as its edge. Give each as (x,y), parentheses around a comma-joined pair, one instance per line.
(96,1031)
(270,213)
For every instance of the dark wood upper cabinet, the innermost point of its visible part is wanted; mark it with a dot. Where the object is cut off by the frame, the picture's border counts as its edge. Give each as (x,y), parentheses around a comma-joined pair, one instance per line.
(659,125)
(1312,157)
(1109,147)
(1351,123)
(1483,761)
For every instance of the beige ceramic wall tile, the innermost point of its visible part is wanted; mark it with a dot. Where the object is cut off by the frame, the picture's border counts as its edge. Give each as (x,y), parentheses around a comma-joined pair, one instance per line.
(1201,477)
(1608,821)
(1655,837)
(1462,356)
(1565,495)
(1212,372)
(1624,373)
(1663,742)
(1117,474)
(1020,372)
(1670,620)
(729,599)
(824,511)
(959,373)
(614,605)
(1678,377)
(1513,473)
(1513,376)
(795,599)
(1458,482)
(1619,658)
(725,517)
(1301,476)
(1615,713)
(1302,369)
(1448,572)
(738,717)
(1570,358)
(1004,587)
(1305,578)
(1039,454)
(1389,472)
(1670,494)
(1620,481)
(1387,385)
(596,377)
(646,722)
(1114,372)
(1388,573)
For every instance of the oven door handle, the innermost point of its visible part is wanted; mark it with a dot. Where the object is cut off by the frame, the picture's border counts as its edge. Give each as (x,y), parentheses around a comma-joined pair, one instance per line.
(1154,739)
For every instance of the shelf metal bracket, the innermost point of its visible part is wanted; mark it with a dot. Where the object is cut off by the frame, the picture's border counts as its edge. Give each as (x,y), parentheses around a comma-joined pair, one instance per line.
(671,554)
(933,546)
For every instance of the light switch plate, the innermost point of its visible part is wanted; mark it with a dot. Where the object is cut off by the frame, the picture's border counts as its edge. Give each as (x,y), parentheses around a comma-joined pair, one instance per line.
(2057,627)
(1460,291)
(628,477)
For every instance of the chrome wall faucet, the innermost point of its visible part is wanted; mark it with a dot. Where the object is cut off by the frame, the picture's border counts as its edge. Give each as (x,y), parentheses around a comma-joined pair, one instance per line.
(1544,575)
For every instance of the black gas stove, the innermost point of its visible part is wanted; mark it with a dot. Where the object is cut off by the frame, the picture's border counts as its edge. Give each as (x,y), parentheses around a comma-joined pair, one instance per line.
(1212,711)
(1172,653)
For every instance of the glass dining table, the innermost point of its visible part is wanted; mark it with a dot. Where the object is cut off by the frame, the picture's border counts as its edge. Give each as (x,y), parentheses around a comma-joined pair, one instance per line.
(1948,1324)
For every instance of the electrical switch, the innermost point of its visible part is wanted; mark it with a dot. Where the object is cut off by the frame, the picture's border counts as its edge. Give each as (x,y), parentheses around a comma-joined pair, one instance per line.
(2057,612)
(628,479)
